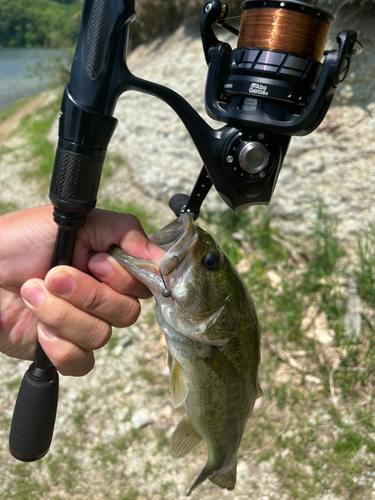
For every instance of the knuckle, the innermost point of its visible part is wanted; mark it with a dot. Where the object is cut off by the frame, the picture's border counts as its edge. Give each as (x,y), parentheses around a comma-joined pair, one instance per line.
(93,300)
(133,224)
(60,320)
(100,335)
(130,313)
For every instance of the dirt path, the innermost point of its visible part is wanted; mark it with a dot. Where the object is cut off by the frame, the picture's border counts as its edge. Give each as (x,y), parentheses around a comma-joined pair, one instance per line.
(8,126)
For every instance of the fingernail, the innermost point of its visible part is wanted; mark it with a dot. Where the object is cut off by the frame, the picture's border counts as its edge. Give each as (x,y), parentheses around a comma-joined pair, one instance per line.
(47,332)
(61,283)
(33,295)
(100,266)
(155,251)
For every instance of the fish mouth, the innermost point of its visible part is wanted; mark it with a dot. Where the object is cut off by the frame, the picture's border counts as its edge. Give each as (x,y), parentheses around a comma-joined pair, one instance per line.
(177,239)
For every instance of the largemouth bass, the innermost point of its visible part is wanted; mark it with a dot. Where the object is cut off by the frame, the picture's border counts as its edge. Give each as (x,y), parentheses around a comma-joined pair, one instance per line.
(211,329)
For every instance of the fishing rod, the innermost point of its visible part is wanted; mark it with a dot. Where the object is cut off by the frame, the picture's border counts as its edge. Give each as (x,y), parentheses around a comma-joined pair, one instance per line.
(278,82)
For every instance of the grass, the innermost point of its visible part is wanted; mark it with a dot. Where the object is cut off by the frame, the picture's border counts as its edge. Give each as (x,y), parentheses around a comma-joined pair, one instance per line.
(131,208)
(7,207)
(36,127)
(316,427)
(366,268)
(329,454)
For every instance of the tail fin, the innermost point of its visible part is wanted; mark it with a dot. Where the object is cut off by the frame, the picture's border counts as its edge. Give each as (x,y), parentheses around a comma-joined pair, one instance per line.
(225,478)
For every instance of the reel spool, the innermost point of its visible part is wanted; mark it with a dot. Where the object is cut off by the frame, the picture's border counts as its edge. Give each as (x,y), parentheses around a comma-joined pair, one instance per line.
(287,26)
(278,57)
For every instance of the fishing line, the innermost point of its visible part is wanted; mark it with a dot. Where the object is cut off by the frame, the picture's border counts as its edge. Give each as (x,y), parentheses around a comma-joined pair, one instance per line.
(284,26)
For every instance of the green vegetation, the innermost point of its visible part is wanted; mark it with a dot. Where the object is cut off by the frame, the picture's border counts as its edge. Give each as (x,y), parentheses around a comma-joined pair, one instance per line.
(130,208)
(36,127)
(10,110)
(316,424)
(366,271)
(55,23)
(45,23)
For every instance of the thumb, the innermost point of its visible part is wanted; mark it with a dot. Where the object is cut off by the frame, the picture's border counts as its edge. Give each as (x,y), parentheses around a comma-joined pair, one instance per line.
(105,228)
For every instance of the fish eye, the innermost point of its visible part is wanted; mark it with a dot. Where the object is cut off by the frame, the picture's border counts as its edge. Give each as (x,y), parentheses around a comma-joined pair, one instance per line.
(211,261)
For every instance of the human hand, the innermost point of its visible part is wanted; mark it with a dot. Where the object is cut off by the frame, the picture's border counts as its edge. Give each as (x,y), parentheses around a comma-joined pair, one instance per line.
(67,310)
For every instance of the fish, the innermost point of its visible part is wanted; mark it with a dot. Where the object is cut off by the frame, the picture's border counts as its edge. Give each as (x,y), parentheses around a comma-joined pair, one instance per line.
(212,333)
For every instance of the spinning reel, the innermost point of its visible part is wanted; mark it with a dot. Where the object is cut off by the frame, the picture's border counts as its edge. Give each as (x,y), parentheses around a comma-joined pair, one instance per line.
(277,83)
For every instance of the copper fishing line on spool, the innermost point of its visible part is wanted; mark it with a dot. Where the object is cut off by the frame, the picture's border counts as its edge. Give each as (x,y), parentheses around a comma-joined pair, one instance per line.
(278,28)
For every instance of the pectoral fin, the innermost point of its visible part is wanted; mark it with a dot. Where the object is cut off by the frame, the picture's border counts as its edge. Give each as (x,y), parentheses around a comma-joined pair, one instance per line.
(221,365)
(184,439)
(178,384)
(169,361)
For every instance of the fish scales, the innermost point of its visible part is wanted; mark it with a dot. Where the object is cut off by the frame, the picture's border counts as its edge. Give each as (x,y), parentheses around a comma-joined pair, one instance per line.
(211,330)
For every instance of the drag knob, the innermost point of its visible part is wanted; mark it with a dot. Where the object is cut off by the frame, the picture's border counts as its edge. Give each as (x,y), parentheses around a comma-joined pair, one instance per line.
(253,157)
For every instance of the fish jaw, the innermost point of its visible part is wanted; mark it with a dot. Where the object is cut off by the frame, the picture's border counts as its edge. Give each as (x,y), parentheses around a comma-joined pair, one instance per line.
(147,272)
(177,238)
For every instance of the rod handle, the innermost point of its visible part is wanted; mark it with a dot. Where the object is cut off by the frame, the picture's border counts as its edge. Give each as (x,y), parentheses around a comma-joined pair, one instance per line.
(34,414)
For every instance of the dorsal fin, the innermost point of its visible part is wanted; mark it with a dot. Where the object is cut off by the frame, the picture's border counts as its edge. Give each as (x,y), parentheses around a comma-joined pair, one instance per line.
(184,438)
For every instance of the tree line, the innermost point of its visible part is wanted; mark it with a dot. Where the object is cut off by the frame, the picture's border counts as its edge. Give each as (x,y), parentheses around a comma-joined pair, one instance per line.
(39,23)
(55,23)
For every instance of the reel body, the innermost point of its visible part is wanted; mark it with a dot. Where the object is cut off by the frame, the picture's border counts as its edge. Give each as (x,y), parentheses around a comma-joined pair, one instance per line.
(277,83)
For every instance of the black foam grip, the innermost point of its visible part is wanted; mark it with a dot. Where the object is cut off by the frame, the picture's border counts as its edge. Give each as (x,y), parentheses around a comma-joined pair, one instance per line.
(96,36)
(34,416)
(75,178)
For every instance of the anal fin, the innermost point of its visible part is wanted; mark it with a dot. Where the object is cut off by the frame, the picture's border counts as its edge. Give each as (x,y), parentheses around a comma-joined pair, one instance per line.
(184,438)
(203,475)
(225,478)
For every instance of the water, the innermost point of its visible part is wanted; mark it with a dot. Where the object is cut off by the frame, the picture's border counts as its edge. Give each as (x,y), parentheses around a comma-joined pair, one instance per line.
(17,79)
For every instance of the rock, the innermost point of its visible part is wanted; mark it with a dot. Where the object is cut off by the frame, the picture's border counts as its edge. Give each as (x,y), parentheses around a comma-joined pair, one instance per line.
(141,418)
(275,279)
(243,266)
(312,379)
(316,326)
(353,319)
